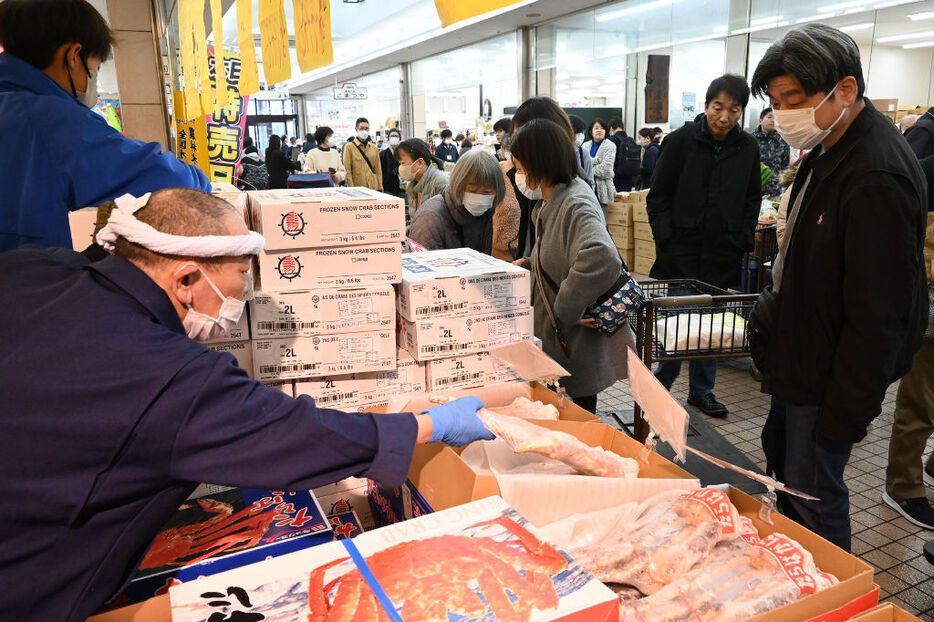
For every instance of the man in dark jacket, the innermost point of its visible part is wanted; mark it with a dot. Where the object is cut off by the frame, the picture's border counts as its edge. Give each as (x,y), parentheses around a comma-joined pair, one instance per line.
(390,165)
(703,207)
(920,136)
(849,283)
(628,157)
(447,150)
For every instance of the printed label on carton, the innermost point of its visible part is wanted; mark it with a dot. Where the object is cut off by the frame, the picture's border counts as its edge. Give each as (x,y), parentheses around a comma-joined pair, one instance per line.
(305,357)
(321,312)
(439,338)
(322,268)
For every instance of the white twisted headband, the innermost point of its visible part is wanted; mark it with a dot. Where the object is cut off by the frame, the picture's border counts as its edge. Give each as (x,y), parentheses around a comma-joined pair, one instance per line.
(122,223)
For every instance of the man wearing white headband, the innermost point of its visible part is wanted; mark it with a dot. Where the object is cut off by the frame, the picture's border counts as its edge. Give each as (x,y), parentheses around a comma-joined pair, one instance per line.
(112,414)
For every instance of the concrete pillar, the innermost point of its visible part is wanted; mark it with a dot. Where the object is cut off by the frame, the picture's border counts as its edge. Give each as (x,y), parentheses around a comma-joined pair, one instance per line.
(139,70)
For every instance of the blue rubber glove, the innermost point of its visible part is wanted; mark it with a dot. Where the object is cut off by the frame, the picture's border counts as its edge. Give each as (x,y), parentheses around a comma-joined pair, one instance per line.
(456,423)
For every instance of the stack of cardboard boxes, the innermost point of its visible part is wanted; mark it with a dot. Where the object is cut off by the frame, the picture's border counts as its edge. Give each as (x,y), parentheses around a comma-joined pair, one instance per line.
(628,222)
(455,305)
(644,239)
(325,303)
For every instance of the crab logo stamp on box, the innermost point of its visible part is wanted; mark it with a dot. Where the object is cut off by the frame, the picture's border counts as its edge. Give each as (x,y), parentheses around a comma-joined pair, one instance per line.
(292,224)
(289,267)
(447,262)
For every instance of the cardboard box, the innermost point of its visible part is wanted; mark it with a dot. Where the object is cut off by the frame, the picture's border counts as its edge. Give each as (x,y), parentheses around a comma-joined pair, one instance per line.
(623,236)
(316,217)
(432,339)
(239,200)
(629,256)
(886,612)
(645,248)
(643,231)
(241,350)
(472,540)
(394,505)
(639,213)
(240,332)
(82,222)
(642,265)
(457,282)
(322,312)
(286,386)
(348,495)
(619,214)
(321,268)
(306,357)
(366,389)
(470,370)
(272,524)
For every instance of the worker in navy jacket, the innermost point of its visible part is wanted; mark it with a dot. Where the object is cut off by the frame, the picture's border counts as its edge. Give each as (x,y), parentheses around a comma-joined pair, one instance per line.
(56,154)
(112,413)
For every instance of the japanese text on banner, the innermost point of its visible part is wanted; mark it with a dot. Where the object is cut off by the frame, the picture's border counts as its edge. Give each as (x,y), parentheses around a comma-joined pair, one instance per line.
(274,34)
(200,37)
(452,11)
(217,20)
(186,11)
(227,127)
(249,72)
(313,33)
(191,141)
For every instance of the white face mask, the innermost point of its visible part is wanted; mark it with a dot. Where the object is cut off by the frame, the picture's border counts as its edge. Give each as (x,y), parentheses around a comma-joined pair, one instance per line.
(524,189)
(363,134)
(799,128)
(202,327)
(478,204)
(579,139)
(448,141)
(393,141)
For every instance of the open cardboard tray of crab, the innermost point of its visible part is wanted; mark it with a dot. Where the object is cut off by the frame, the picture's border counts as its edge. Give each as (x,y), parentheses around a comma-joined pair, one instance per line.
(479,561)
(223,530)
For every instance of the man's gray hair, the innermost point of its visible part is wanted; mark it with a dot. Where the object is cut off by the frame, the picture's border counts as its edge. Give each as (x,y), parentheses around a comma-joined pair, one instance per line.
(907,121)
(480,168)
(819,56)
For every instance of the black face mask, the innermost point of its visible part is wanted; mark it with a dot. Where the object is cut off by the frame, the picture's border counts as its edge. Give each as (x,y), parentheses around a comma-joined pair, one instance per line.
(74,91)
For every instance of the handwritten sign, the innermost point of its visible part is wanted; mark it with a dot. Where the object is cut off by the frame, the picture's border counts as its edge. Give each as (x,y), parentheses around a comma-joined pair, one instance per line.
(186,14)
(248,82)
(275,40)
(313,34)
(226,128)
(452,11)
(217,19)
(349,90)
(191,137)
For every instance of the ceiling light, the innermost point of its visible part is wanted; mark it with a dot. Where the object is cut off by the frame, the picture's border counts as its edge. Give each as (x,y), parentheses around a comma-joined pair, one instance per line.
(858,9)
(915,35)
(704,38)
(721,29)
(648,6)
(925,44)
(657,46)
(839,7)
(765,20)
(814,18)
(920,16)
(856,27)
(891,3)
(740,31)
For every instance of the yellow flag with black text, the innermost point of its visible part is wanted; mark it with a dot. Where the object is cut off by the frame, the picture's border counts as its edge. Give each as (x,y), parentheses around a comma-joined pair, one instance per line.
(220,71)
(249,72)
(313,33)
(277,67)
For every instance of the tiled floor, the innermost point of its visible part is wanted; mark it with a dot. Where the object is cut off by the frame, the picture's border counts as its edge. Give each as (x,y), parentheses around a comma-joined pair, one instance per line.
(880,535)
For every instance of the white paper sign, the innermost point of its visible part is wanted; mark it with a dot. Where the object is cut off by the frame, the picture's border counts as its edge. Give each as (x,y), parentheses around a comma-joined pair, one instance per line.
(665,415)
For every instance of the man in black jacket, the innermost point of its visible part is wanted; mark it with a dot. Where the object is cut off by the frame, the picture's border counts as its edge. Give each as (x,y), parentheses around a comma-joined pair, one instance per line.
(920,136)
(849,282)
(628,160)
(390,165)
(703,208)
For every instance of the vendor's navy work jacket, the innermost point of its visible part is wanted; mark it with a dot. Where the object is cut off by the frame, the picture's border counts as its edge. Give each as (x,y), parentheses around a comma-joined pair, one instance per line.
(110,415)
(57,155)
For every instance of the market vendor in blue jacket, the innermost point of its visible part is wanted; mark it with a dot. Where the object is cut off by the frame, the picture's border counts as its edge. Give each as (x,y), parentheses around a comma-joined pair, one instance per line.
(56,154)
(112,411)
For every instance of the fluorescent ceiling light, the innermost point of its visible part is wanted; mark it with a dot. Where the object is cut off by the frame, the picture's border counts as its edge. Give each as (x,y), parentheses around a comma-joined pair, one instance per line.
(858,9)
(704,38)
(765,20)
(891,3)
(648,6)
(925,44)
(656,46)
(856,27)
(920,16)
(840,6)
(916,35)
(740,31)
(814,18)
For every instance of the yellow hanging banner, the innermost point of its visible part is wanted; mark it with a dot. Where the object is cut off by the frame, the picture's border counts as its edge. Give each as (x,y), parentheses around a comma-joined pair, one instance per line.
(249,72)
(200,37)
(220,71)
(191,134)
(313,33)
(186,12)
(452,11)
(277,67)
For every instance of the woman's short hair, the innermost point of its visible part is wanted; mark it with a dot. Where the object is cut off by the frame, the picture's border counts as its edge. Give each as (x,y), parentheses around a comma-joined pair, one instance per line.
(477,167)
(322,133)
(503,124)
(819,56)
(577,124)
(542,108)
(416,148)
(647,133)
(34,30)
(601,123)
(545,152)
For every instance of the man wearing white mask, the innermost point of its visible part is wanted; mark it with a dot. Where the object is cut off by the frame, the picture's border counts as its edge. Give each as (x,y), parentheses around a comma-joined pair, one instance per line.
(390,165)
(849,301)
(113,412)
(58,154)
(462,215)
(361,159)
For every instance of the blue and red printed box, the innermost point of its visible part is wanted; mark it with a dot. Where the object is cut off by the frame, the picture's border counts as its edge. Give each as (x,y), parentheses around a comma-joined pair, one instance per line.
(226,530)
(391,505)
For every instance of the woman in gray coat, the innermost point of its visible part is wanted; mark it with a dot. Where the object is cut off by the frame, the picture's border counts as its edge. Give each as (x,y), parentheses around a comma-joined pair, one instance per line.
(421,172)
(602,154)
(575,251)
(462,215)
